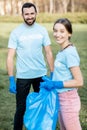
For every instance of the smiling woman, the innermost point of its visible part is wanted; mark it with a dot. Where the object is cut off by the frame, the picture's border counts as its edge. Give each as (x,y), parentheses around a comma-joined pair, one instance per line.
(67,76)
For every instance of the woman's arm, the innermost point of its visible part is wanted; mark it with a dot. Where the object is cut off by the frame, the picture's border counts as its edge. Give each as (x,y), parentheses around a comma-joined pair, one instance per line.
(77,80)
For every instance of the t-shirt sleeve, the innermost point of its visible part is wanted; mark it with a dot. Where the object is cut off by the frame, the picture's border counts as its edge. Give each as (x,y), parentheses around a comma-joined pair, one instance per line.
(72,59)
(12,43)
(46,39)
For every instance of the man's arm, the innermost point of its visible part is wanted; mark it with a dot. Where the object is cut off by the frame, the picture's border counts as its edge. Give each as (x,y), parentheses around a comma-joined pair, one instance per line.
(10,69)
(10,61)
(49,57)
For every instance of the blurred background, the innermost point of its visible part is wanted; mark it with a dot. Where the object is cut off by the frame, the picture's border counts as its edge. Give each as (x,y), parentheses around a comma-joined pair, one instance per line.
(10,7)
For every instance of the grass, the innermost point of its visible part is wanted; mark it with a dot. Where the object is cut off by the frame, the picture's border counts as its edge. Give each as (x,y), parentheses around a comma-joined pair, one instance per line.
(7,100)
(76,17)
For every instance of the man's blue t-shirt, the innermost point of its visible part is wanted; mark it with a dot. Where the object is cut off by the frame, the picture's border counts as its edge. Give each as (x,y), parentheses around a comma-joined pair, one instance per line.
(28,42)
(64,61)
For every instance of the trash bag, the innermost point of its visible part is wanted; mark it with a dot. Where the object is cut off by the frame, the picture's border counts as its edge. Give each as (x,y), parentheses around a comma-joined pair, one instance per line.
(41,110)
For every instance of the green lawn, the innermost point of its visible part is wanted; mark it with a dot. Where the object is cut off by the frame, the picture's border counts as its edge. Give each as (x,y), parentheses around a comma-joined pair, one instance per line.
(7,100)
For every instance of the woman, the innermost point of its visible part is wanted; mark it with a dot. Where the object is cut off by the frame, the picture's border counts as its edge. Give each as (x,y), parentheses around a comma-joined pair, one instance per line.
(67,77)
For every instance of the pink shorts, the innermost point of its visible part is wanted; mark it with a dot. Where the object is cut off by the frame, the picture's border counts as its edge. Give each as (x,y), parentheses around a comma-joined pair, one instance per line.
(69,110)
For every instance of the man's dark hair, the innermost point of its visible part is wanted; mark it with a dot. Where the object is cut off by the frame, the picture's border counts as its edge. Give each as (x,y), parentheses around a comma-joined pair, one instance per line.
(28,5)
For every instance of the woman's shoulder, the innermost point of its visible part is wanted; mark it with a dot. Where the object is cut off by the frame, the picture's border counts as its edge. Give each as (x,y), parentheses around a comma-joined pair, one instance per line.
(71,50)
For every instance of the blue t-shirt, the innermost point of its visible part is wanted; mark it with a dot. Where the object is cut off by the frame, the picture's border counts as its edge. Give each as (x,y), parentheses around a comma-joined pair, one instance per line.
(28,42)
(64,61)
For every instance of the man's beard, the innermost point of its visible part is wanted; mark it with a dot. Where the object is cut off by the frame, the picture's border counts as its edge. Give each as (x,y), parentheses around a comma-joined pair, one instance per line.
(30,23)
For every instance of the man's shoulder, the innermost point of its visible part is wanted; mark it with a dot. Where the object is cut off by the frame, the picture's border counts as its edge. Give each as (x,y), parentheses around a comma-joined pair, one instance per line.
(18,29)
(40,27)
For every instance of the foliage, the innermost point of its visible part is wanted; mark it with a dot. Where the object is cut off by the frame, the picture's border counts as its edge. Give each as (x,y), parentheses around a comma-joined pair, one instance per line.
(74,17)
(51,6)
(7,100)
(48,17)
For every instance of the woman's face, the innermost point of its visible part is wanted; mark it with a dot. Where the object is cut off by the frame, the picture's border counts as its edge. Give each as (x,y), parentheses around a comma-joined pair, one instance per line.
(61,34)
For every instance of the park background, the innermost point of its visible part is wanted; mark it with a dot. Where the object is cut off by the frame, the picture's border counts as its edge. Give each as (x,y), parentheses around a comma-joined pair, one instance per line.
(48,12)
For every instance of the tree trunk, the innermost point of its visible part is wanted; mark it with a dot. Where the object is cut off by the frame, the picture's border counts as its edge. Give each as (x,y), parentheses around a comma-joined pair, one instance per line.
(64,4)
(5,7)
(51,6)
(11,7)
(17,8)
(72,5)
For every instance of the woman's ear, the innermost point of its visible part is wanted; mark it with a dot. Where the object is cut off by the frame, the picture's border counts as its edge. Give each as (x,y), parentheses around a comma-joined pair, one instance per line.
(70,35)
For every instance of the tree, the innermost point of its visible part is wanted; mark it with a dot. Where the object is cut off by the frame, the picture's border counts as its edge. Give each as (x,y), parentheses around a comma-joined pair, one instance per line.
(71,6)
(64,5)
(5,7)
(51,6)
(17,9)
(11,6)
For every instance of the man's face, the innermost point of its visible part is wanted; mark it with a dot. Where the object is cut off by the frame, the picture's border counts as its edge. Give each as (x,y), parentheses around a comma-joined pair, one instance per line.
(29,15)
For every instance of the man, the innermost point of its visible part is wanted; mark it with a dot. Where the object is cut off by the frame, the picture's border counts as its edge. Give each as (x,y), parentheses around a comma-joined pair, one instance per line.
(27,41)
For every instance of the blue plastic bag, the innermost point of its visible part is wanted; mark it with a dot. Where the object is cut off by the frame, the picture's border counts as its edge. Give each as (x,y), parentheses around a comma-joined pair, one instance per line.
(41,110)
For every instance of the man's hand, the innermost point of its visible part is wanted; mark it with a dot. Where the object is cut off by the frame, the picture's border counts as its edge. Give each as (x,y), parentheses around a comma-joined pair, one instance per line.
(12,87)
(46,78)
(51,75)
